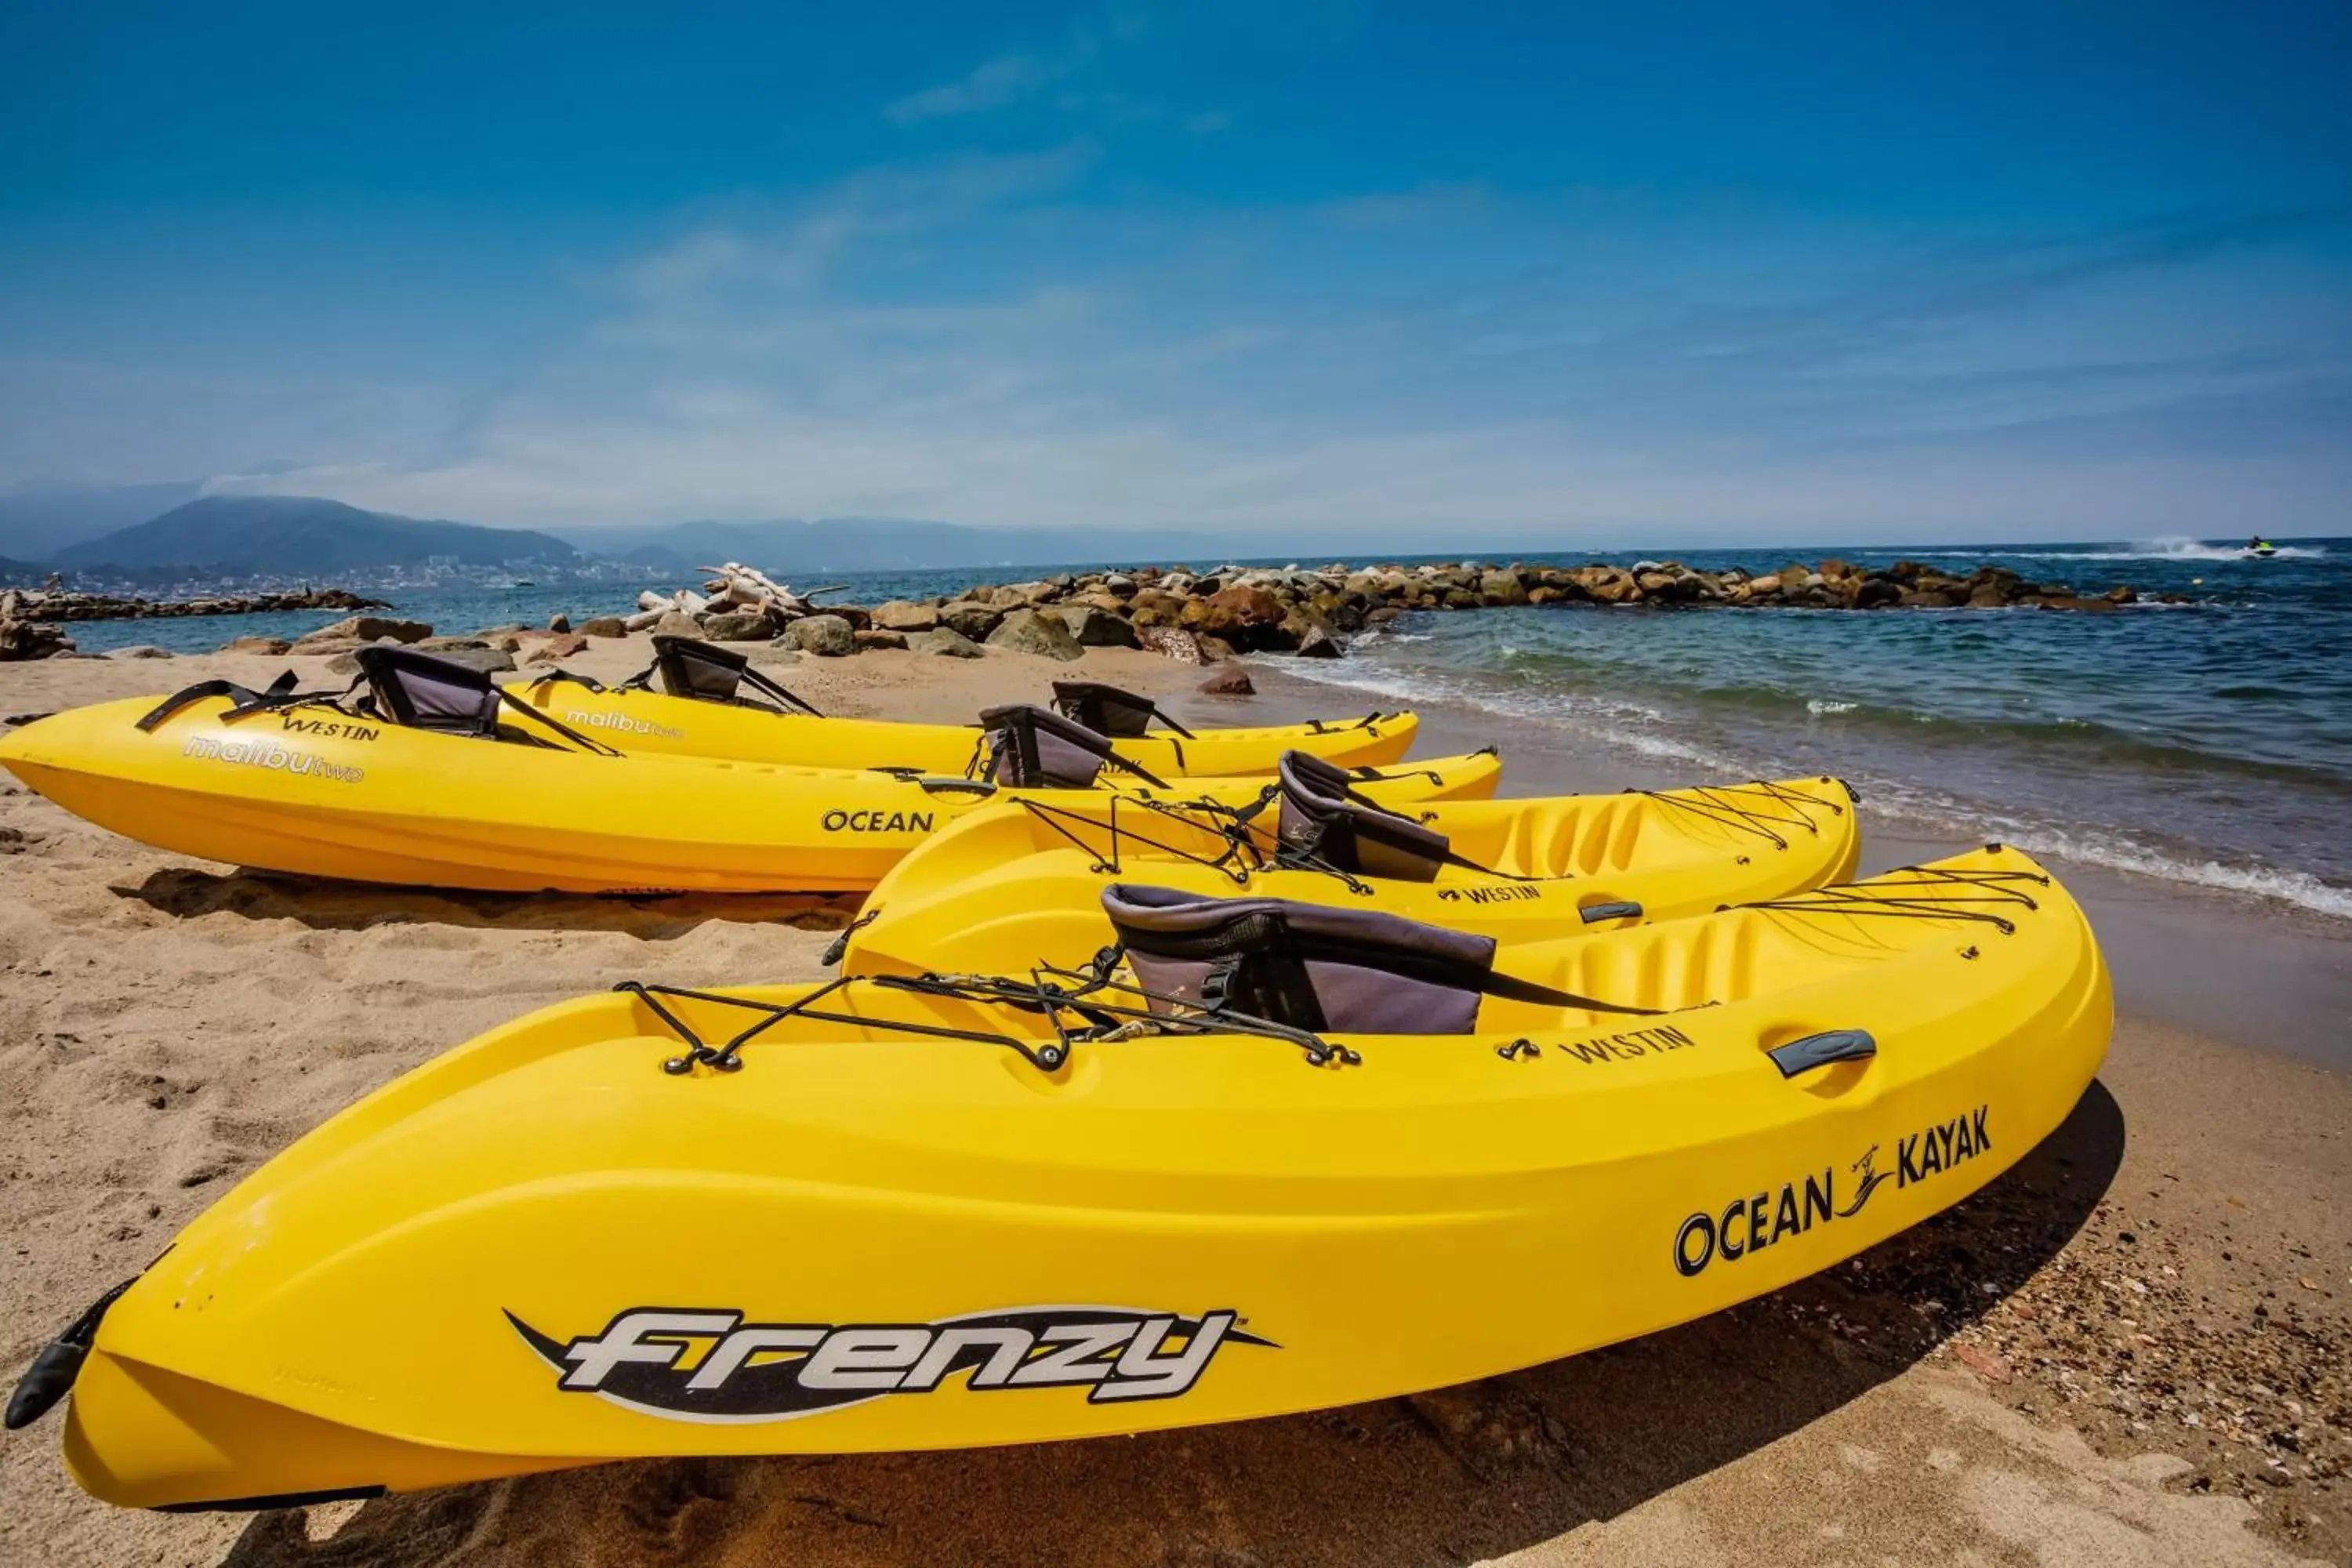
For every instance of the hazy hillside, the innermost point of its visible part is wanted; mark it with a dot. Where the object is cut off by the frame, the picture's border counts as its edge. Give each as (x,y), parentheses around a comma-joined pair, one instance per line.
(38,518)
(806,548)
(300,534)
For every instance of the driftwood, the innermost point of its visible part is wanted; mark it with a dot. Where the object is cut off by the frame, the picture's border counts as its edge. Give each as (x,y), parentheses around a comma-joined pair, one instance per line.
(749,588)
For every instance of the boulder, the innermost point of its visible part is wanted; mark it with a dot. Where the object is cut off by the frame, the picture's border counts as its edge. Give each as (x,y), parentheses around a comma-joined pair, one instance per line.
(559,622)
(269,645)
(556,650)
(970,619)
(1171,642)
(678,624)
(1316,642)
(1231,681)
(945,641)
(1877,592)
(1120,585)
(899,615)
(140,650)
(2123,595)
(828,636)
(1095,627)
(1833,569)
(1609,585)
(1244,615)
(745,625)
(606,626)
(874,637)
(443,645)
(1927,599)
(1036,632)
(365,629)
(1500,587)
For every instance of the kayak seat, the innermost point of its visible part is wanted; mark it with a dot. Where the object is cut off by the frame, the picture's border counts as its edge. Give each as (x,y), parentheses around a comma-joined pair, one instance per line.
(1108,710)
(423,691)
(689,667)
(1325,821)
(692,668)
(1310,966)
(1030,747)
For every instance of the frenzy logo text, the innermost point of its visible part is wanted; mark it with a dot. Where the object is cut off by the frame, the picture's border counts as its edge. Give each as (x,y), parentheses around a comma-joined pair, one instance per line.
(710,1364)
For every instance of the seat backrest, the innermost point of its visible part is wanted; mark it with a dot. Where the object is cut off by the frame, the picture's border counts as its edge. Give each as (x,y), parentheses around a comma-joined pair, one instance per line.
(1323,819)
(1311,966)
(1104,709)
(424,692)
(1033,748)
(692,668)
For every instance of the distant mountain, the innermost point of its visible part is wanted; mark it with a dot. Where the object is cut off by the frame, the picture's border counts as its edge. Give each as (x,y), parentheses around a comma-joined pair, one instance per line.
(302,534)
(811,548)
(21,573)
(38,517)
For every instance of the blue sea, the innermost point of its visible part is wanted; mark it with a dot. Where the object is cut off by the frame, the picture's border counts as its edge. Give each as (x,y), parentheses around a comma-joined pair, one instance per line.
(2207,743)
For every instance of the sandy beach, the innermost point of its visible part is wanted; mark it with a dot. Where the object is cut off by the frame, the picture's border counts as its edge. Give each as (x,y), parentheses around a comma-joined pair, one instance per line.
(2131,1349)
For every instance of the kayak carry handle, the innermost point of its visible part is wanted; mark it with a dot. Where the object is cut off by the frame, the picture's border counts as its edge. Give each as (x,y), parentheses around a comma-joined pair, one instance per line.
(955,786)
(1821,1050)
(1623,909)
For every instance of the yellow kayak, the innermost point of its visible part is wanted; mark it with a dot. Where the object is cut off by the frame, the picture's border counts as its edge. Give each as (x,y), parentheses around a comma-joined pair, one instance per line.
(714,703)
(890,1214)
(1013,882)
(503,803)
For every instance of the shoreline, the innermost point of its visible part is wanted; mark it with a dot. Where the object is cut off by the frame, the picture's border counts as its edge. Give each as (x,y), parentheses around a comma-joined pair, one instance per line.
(2015,1377)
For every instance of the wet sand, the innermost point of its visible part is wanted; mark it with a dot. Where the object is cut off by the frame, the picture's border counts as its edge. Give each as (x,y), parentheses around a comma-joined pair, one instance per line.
(2130,1349)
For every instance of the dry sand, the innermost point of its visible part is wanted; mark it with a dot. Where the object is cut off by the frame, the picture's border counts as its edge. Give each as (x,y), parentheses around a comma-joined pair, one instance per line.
(2130,1350)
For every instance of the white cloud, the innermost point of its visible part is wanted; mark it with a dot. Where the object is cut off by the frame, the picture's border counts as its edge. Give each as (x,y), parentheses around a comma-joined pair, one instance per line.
(990,85)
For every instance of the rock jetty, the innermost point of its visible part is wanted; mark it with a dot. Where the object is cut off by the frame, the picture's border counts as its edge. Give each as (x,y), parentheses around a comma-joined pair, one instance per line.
(1201,617)
(59,605)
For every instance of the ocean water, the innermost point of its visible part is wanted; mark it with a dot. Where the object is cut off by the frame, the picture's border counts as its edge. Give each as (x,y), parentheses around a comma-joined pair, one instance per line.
(2207,743)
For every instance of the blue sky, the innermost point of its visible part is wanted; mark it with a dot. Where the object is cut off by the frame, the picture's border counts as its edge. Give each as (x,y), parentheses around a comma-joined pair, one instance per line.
(1554,274)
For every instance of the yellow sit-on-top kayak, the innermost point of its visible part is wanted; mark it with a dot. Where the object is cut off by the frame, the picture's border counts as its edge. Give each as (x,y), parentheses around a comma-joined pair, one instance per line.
(1015,882)
(431,787)
(714,703)
(899,1214)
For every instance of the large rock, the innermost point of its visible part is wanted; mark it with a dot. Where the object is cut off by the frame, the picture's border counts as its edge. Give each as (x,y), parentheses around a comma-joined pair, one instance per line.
(1609,585)
(1501,587)
(559,622)
(899,615)
(969,619)
(947,642)
(874,637)
(1231,681)
(1876,592)
(556,650)
(1171,642)
(606,626)
(1317,642)
(1097,628)
(744,626)
(1037,632)
(269,646)
(365,629)
(678,624)
(828,636)
(140,650)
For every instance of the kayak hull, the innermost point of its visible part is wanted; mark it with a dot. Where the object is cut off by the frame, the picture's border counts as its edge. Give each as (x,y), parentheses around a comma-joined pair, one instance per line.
(1007,884)
(656,724)
(543,1250)
(363,801)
